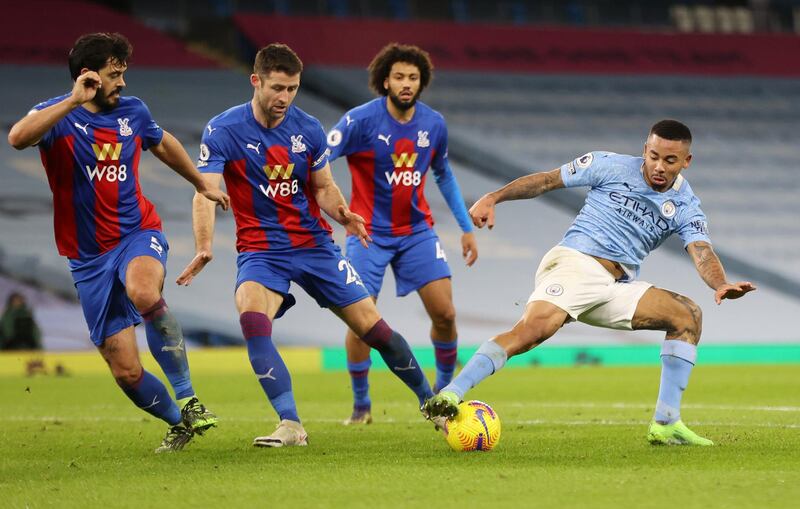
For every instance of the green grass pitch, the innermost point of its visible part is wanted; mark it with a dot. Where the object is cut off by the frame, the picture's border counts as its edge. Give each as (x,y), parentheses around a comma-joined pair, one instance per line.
(572,437)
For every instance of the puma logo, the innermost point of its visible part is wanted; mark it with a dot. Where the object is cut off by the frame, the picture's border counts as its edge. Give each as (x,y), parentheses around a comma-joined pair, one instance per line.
(385,138)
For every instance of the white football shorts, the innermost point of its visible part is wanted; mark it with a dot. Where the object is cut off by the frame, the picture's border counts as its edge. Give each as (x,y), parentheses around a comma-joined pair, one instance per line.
(578,284)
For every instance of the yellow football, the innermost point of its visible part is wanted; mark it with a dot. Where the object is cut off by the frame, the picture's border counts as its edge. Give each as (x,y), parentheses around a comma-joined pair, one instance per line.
(475,428)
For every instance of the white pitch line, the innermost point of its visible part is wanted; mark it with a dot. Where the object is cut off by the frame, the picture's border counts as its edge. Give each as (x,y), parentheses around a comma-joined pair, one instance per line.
(391,420)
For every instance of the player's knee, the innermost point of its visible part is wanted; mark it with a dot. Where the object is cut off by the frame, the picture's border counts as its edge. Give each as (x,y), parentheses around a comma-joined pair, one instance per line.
(444,318)
(142,297)
(689,322)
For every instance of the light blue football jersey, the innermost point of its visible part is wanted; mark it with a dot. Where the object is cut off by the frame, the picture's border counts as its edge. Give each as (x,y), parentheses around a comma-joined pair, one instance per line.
(623,218)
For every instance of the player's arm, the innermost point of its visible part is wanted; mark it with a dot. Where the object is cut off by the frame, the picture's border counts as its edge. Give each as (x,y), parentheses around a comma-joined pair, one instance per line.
(448,186)
(203,219)
(330,199)
(33,126)
(711,271)
(171,152)
(523,188)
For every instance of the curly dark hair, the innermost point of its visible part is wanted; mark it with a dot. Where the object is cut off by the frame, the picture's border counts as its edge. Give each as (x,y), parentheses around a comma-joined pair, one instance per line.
(92,51)
(277,57)
(669,129)
(392,53)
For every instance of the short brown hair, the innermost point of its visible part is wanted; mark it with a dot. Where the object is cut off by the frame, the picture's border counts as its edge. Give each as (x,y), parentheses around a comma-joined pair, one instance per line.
(92,51)
(381,65)
(277,57)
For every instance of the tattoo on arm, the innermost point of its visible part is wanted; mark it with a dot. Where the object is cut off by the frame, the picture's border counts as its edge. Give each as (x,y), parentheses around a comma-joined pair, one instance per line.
(708,265)
(531,186)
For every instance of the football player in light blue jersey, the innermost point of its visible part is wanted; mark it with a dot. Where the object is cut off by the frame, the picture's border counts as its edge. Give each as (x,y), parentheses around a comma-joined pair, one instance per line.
(634,204)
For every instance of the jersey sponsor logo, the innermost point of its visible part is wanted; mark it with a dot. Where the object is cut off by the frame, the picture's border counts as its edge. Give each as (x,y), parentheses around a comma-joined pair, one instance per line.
(584,161)
(278,171)
(639,213)
(298,146)
(334,137)
(256,147)
(112,150)
(124,128)
(422,139)
(82,127)
(286,185)
(404,159)
(668,209)
(385,138)
(554,290)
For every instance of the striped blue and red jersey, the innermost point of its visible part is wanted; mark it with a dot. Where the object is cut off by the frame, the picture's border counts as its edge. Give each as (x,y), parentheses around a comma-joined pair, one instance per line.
(267,173)
(389,162)
(92,165)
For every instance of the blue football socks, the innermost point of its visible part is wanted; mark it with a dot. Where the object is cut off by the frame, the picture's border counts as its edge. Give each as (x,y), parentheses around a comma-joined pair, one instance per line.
(677,360)
(446,353)
(489,359)
(268,365)
(149,394)
(165,339)
(359,379)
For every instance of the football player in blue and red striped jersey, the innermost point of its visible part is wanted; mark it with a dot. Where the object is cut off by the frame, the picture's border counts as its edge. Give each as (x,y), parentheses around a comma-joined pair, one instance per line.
(90,142)
(274,159)
(390,143)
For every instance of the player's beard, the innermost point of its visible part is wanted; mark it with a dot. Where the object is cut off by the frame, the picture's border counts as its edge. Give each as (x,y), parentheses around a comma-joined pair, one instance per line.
(402,105)
(103,102)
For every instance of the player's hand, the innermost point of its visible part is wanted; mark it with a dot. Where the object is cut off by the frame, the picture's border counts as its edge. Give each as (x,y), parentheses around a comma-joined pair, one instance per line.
(86,87)
(198,263)
(469,248)
(354,225)
(482,212)
(216,195)
(733,290)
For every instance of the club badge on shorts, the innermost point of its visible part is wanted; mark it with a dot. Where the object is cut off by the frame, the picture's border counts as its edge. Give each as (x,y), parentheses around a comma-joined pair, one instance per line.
(555,290)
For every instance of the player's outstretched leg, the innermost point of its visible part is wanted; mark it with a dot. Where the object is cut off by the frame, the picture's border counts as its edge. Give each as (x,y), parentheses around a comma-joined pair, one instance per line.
(275,380)
(165,339)
(681,318)
(489,359)
(358,364)
(145,390)
(540,321)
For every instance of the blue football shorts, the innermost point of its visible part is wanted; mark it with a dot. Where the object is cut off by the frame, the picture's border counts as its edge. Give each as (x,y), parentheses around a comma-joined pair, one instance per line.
(321,271)
(416,260)
(100,281)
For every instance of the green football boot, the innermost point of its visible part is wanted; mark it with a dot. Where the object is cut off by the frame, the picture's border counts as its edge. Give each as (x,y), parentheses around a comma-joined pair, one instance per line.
(676,433)
(444,404)
(196,416)
(177,438)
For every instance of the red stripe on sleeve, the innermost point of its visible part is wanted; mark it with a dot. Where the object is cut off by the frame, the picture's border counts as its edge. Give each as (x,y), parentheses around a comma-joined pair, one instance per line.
(59,163)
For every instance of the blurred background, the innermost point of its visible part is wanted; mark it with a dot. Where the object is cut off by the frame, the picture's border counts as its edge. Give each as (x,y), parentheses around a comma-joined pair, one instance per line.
(524,86)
